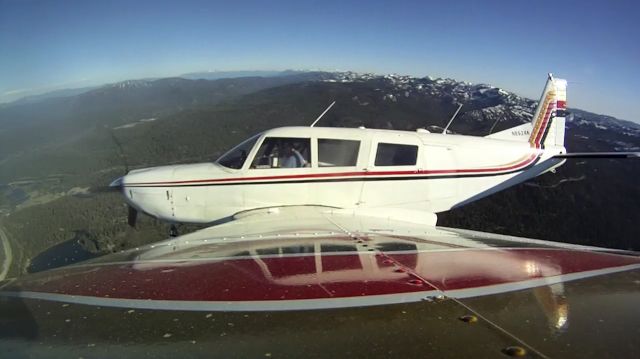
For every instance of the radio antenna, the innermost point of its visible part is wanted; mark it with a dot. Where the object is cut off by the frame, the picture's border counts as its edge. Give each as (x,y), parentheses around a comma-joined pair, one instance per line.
(444,132)
(322,114)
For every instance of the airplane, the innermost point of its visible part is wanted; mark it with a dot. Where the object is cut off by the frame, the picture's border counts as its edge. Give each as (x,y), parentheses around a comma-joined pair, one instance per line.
(323,242)
(403,174)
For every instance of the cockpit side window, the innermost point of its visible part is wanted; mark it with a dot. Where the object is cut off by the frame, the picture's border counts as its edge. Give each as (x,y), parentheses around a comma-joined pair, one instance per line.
(337,153)
(391,154)
(236,157)
(283,152)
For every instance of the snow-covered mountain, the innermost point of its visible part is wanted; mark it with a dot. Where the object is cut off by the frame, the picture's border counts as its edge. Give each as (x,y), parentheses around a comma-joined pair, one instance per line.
(493,105)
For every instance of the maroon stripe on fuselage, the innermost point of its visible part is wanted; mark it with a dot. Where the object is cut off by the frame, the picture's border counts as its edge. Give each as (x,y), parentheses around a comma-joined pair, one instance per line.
(520,164)
(299,276)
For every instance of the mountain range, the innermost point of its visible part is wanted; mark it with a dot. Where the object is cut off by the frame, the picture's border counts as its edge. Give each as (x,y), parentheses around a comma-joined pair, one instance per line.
(58,152)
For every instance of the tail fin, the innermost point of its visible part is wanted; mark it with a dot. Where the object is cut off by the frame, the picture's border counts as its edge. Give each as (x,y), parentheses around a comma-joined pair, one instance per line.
(549,119)
(547,126)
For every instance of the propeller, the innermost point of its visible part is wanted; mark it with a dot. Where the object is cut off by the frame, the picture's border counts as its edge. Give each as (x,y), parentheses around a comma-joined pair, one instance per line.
(121,153)
(132,213)
(132,216)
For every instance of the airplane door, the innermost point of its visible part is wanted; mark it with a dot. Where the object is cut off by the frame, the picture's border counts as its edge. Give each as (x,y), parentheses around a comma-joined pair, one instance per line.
(440,191)
(338,164)
(287,189)
(279,171)
(392,180)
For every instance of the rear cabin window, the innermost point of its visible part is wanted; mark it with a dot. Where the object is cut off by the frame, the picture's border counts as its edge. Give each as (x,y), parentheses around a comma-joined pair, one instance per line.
(337,153)
(390,154)
(282,152)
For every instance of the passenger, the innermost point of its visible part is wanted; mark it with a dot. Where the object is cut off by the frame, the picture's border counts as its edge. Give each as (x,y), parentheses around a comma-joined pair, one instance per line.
(291,158)
(301,148)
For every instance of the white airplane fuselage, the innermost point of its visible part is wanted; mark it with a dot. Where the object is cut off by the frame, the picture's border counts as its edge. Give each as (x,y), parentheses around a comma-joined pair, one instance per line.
(383,171)
(450,170)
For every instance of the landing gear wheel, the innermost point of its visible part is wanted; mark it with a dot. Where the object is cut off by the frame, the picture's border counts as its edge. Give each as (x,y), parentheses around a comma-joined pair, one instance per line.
(173,231)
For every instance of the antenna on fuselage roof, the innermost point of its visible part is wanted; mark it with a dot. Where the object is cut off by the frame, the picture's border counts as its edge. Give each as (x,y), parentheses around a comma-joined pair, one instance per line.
(322,114)
(444,132)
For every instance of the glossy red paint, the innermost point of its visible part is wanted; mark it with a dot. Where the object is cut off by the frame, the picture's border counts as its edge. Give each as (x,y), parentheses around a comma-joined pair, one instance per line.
(319,276)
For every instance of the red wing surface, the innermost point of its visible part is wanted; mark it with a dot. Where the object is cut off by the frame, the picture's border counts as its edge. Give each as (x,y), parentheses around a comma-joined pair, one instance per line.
(329,286)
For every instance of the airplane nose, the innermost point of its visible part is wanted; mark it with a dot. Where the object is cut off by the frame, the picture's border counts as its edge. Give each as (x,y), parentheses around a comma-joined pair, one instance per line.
(142,192)
(153,201)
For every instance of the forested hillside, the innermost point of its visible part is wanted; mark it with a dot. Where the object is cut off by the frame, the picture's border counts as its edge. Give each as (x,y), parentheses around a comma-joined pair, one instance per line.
(58,155)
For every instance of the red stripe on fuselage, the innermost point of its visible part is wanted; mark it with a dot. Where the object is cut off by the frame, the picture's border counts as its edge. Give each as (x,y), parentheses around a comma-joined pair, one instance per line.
(520,164)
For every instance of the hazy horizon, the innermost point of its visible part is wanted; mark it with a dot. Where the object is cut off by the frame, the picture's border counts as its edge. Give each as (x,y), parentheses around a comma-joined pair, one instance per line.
(71,44)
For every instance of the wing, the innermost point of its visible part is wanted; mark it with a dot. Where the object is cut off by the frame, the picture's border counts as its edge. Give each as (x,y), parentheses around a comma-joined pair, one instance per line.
(294,280)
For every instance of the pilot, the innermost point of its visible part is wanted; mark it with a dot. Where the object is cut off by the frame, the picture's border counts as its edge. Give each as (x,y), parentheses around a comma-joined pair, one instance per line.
(291,157)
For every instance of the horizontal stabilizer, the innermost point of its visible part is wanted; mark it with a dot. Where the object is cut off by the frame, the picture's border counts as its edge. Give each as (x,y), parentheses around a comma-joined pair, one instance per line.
(599,155)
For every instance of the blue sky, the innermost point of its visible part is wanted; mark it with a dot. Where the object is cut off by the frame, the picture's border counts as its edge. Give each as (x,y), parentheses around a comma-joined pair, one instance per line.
(512,44)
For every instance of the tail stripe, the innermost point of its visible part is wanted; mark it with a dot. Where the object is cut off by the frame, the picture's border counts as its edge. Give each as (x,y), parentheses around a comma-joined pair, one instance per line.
(545,125)
(542,122)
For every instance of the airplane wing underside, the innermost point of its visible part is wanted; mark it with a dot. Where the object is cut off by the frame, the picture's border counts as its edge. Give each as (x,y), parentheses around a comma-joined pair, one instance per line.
(317,282)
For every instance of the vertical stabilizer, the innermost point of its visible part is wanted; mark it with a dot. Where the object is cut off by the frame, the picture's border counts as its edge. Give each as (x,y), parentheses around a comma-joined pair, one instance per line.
(549,119)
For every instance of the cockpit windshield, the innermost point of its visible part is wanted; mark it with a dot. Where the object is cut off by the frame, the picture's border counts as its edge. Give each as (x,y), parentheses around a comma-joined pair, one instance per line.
(236,157)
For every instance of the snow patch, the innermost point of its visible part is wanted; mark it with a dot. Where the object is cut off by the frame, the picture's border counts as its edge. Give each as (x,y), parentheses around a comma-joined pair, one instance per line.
(134,124)
(389,97)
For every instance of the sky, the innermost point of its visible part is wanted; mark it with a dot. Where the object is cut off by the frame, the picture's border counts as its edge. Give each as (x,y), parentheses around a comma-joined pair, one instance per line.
(512,44)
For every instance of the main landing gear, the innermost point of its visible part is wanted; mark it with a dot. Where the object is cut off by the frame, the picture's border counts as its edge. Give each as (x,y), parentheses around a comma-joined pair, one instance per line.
(173,231)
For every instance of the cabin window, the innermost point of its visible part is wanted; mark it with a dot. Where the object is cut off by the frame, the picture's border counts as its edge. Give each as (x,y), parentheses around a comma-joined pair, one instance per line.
(281,152)
(390,154)
(337,153)
(236,156)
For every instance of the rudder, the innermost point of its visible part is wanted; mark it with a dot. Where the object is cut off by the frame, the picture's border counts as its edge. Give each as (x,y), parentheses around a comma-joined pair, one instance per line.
(549,118)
